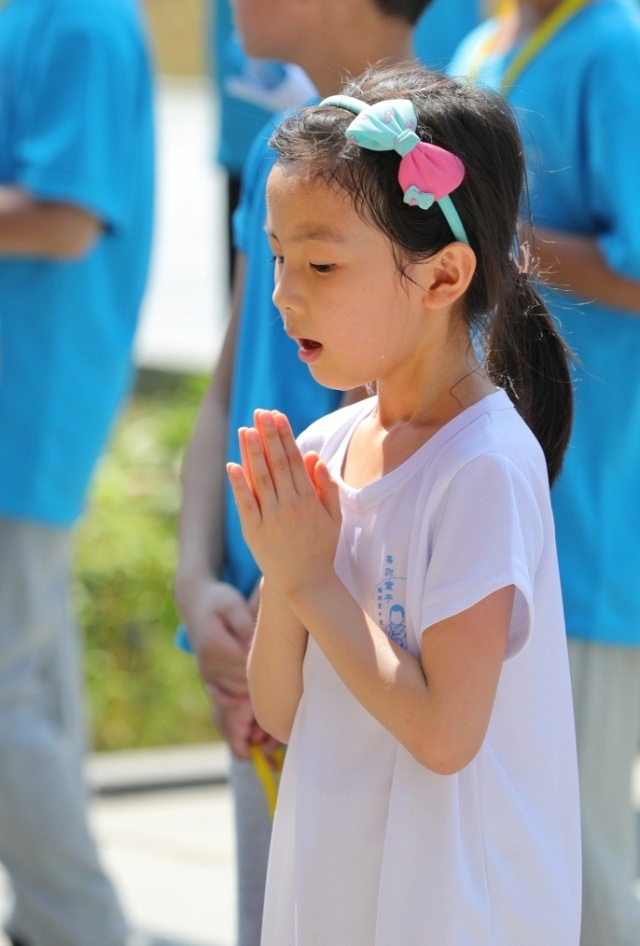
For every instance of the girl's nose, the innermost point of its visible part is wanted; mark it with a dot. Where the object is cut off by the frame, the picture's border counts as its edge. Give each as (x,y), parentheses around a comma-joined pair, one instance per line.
(285,298)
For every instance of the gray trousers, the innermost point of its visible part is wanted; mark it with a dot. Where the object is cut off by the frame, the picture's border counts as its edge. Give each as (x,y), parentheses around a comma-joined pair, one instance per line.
(61,894)
(253,836)
(606,694)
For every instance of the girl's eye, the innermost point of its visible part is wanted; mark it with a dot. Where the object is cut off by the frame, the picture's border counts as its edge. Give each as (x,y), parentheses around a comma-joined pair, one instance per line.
(322,267)
(277,259)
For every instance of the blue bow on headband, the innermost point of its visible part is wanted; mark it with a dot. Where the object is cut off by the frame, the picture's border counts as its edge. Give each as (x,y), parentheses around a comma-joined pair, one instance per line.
(427,173)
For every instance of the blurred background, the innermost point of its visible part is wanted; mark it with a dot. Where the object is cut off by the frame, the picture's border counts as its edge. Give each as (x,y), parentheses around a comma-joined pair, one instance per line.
(142,691)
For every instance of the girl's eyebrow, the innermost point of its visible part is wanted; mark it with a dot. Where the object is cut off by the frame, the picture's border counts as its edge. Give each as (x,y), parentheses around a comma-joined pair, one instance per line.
(316,233)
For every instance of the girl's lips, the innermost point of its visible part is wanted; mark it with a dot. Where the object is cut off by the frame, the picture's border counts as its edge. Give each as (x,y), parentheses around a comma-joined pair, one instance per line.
(308,351)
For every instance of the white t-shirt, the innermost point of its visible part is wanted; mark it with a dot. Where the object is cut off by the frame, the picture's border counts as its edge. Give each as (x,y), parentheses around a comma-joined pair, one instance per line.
(369,847)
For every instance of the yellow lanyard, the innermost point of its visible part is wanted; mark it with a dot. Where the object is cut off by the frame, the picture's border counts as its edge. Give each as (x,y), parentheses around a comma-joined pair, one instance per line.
(541,37)
(268,773)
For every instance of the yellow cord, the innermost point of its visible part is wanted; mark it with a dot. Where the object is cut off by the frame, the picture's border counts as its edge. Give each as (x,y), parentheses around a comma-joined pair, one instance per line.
(268,773)
(540,37)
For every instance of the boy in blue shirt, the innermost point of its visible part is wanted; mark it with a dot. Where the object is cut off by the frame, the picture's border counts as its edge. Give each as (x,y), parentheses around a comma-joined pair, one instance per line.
(76,180)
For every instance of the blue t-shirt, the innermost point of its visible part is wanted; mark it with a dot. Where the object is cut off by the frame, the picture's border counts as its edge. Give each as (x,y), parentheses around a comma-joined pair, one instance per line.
(441,28)
(75,126)
(579,112)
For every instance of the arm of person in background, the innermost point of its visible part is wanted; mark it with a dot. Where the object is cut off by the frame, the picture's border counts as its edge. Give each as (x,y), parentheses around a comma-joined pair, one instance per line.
(47,229)
(220,622)
(575,262)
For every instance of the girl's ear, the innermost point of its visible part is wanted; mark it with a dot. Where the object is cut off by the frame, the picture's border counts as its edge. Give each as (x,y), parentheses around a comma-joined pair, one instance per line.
(447,275)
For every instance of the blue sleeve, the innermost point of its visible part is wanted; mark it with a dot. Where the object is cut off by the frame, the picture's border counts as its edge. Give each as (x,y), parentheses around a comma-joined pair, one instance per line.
(182,641)
(72,127)
(442,27)
(612,139)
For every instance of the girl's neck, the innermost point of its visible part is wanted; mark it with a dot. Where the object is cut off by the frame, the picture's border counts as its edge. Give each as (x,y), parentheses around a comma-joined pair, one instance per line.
(397,428)
(435,405)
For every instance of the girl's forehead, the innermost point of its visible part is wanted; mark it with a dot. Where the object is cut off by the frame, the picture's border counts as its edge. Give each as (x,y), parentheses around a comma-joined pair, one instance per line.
(298,182)
(298,202)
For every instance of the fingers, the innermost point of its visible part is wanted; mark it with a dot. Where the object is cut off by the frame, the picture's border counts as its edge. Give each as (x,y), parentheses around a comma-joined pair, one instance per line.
(283,455)
(327,489)
(272,466)
(243,495)
(325,486)
(250,483)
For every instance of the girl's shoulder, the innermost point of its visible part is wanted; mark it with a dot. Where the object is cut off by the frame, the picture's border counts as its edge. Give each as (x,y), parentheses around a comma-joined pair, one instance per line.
(491,432)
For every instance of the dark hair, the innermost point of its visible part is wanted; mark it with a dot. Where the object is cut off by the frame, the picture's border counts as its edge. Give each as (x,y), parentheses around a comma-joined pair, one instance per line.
(523,351)
(408,10)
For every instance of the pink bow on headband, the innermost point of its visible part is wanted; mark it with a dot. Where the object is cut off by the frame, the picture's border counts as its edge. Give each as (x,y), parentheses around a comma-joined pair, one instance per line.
(427,173)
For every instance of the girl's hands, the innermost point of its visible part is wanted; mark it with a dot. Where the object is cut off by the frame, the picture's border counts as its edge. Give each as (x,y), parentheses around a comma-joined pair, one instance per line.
(288,505)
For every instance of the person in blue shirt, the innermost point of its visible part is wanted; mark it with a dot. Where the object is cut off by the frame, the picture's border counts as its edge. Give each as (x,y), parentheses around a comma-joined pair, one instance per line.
(216,579)
(581,132)
(249,92)
(76,196)
(443,25)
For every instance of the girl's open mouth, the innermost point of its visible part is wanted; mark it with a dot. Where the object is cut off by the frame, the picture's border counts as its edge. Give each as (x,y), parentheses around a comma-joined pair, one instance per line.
(308,344)
(309,350)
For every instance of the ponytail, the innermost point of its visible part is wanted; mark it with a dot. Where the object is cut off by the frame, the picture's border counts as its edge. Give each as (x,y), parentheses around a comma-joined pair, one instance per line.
(527,357)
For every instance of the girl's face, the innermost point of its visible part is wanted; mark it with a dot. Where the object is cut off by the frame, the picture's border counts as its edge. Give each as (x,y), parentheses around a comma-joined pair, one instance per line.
(337,286)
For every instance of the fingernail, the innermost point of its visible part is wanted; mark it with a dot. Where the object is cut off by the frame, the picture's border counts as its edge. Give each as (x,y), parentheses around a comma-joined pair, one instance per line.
(252,435)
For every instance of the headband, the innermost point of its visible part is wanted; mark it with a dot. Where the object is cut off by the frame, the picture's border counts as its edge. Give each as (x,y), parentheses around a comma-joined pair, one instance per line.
(427,173)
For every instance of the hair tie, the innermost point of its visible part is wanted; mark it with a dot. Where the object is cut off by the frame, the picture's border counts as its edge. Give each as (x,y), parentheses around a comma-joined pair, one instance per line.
(522,263)
(427,173)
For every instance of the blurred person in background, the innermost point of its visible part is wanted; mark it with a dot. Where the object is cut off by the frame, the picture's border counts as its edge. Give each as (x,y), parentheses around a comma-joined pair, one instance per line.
(249,92)
(568,68)
(76,195)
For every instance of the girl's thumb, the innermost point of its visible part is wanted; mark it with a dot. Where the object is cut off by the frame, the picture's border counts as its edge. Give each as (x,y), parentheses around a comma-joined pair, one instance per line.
(327,490)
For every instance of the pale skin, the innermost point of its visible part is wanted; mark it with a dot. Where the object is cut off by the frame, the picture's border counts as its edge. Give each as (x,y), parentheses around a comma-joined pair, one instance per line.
(317,35)
(44,229)
(437,705)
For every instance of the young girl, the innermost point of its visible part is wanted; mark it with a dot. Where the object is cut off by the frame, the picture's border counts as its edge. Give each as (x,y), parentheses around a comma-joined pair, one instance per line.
(410,646)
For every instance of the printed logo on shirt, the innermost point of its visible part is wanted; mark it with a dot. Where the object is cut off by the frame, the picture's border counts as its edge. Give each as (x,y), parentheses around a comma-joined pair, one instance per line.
(389,601)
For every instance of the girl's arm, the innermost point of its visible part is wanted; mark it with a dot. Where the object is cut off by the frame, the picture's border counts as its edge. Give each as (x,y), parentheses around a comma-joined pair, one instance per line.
(575,262)
(437,706)
(275,664)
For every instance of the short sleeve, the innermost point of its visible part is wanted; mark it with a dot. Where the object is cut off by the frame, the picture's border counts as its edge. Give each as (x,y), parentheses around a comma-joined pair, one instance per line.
(73,125)
(486,533)
(612,133)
